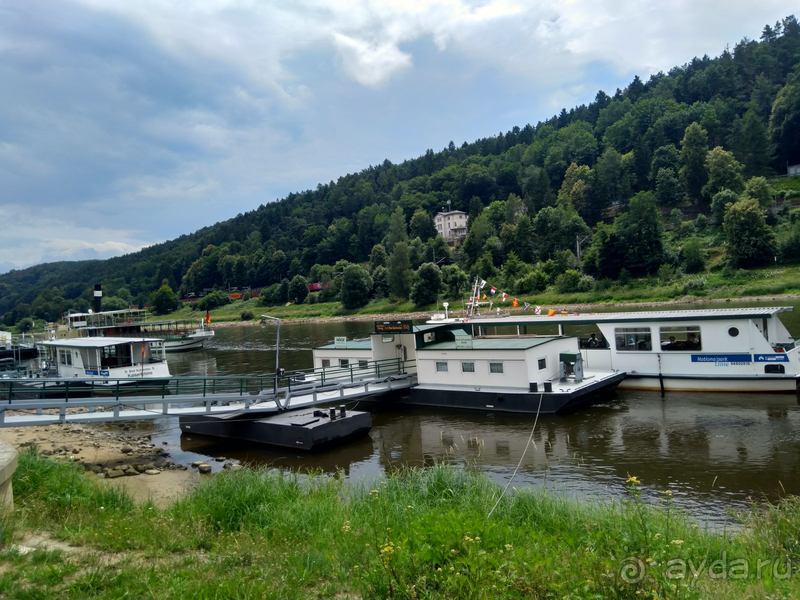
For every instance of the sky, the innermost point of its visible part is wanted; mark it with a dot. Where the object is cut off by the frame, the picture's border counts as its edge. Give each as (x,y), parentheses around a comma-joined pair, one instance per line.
(125,123)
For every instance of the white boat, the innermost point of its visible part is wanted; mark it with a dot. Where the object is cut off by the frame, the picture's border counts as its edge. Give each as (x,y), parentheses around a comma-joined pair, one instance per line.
(457,369)
(724,349)
(192,341)
(104,361)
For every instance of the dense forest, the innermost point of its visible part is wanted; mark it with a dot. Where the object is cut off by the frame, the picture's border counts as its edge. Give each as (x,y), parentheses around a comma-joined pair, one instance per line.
(643,180)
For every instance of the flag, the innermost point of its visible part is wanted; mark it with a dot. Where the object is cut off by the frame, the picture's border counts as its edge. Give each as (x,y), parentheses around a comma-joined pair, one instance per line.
(550,312)
(208,317)
(490,304)
(484,297)
(504,296)
(483,283)
(538,310)
(515,303)
(493,291)
(527,306)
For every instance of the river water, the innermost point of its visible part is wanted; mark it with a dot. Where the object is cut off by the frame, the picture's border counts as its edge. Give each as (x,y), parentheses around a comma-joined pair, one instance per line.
(713,451)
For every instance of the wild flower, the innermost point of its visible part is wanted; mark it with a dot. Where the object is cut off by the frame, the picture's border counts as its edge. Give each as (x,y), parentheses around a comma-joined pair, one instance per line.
(346,526)
(509,547)
(676,542)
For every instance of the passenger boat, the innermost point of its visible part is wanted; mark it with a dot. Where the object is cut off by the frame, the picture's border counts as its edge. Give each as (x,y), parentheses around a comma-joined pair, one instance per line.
(80,364)
(193,341)
(455,368)
(723,349)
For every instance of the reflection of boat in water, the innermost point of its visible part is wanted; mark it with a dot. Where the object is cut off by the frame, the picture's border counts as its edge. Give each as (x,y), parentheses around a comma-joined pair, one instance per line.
(89,365)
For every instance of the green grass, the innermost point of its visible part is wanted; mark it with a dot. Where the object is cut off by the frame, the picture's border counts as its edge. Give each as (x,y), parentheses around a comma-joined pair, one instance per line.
(420,533)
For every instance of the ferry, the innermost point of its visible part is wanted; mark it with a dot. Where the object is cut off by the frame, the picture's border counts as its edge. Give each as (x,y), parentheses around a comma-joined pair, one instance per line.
(455,368)
(720,349)
(98,362)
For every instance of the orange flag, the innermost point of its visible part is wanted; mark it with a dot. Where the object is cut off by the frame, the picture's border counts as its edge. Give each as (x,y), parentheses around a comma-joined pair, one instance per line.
(515,303)
(208,317)
(550,312)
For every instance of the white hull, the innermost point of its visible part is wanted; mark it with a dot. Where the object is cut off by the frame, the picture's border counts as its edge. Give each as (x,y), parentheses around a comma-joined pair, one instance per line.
(760,384)
(194,341)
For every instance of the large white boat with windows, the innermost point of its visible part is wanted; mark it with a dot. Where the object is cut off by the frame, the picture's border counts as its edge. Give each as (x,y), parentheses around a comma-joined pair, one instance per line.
(723,349)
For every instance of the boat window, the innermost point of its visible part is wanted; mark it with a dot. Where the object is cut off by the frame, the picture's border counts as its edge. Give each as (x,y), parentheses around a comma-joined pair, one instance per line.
(495,367)
(441,367)
(467,367)
(362,364)
(733,331)
(685,337)
(62,358)
(774,369)
(343,362)
(542,364)
(326,362)
(633,338)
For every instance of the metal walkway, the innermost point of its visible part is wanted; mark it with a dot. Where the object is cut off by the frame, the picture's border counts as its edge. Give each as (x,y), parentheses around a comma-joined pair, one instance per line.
(49,401)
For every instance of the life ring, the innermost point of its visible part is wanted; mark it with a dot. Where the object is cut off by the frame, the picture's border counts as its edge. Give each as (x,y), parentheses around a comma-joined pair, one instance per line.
(130,320)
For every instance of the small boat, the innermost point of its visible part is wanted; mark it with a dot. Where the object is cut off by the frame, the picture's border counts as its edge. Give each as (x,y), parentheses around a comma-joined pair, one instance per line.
(192,341)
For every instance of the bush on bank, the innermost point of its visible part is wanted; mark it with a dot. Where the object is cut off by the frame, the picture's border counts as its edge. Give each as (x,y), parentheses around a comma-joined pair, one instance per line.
(420,533)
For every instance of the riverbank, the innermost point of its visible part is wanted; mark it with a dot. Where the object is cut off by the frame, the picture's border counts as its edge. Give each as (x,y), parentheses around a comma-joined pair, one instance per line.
(686,301)
(417,534)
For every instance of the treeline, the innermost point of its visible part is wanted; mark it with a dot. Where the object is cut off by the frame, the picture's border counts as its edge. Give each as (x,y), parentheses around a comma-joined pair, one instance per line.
(601,180)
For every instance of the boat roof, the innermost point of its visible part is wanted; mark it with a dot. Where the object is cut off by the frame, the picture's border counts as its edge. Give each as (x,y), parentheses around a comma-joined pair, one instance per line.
(499,343)
(351,345)
(97,342)
(563,317)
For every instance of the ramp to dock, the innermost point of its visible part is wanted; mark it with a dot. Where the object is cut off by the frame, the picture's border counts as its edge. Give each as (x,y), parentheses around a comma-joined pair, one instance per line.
(51,401)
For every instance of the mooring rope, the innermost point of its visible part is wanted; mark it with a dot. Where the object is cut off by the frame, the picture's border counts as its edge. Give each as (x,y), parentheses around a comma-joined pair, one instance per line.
(521,458)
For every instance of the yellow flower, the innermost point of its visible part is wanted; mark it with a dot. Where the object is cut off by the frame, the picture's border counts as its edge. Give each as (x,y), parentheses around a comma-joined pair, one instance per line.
(633,480)
(509,547)
(676,542)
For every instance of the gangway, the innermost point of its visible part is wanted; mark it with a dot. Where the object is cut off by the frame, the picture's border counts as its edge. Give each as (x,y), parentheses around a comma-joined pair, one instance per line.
(46,401)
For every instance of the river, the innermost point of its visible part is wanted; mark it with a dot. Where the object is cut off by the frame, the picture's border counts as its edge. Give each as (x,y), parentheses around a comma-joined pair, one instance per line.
(712,451)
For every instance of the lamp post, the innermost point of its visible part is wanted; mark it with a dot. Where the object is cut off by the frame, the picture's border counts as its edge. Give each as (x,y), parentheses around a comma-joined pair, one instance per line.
(445,304)
(277,348)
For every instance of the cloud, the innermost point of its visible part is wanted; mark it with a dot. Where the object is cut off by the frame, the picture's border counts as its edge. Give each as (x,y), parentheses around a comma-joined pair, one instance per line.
(135,122)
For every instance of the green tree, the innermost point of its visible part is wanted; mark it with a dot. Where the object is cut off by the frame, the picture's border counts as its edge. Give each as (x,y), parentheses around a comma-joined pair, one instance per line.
(398,232)
(480,231)
(380,282)
(693,256)
(749,241)
(298,289)
(758,188)
(724,172)
(422,226)
(668,188)
(720,202)
(753,145)
(784,123)
(475,210)
(641,235)
(694,148)
(484,267)
(524,240)
(427,286)
(356,286)
(455,279)
(400,274)
(377,257)
(665,157)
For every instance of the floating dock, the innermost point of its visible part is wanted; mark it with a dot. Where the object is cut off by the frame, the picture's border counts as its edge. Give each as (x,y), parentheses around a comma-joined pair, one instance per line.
(299,429)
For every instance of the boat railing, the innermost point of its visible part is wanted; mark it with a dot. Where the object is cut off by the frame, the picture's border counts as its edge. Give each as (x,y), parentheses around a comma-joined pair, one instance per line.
(351,372)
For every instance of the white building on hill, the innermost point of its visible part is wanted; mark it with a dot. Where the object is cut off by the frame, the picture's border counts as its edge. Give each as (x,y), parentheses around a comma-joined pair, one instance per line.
(451,225)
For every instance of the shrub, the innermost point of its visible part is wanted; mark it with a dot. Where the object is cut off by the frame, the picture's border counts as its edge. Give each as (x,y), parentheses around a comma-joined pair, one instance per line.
(247,315)
(535,281)
(568,281)
(313,298)
(666,273)
(213,300)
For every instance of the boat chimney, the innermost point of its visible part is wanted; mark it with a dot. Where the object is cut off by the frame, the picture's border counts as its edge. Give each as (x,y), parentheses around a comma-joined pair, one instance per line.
(342,411)
(98,297)
(333,413)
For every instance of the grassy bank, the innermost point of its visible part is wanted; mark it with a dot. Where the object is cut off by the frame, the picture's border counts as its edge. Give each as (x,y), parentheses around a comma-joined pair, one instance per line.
(731,283)
(418,534)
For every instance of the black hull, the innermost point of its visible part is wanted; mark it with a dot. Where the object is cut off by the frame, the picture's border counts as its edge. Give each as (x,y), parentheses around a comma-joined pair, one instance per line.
(522,403)
(301,430)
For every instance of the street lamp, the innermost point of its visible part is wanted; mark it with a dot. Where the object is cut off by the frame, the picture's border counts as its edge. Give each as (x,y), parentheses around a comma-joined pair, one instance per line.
(277,348)
(445,304)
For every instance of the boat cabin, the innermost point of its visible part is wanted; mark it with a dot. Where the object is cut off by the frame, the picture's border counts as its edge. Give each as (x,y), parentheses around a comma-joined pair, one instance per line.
(104,357)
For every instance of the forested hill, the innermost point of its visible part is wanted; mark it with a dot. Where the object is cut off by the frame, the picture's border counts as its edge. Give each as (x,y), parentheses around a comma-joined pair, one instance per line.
(698,138)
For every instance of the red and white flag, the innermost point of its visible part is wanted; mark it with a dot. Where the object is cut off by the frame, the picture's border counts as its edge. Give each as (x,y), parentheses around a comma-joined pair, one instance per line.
(504,296)
(538,310)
